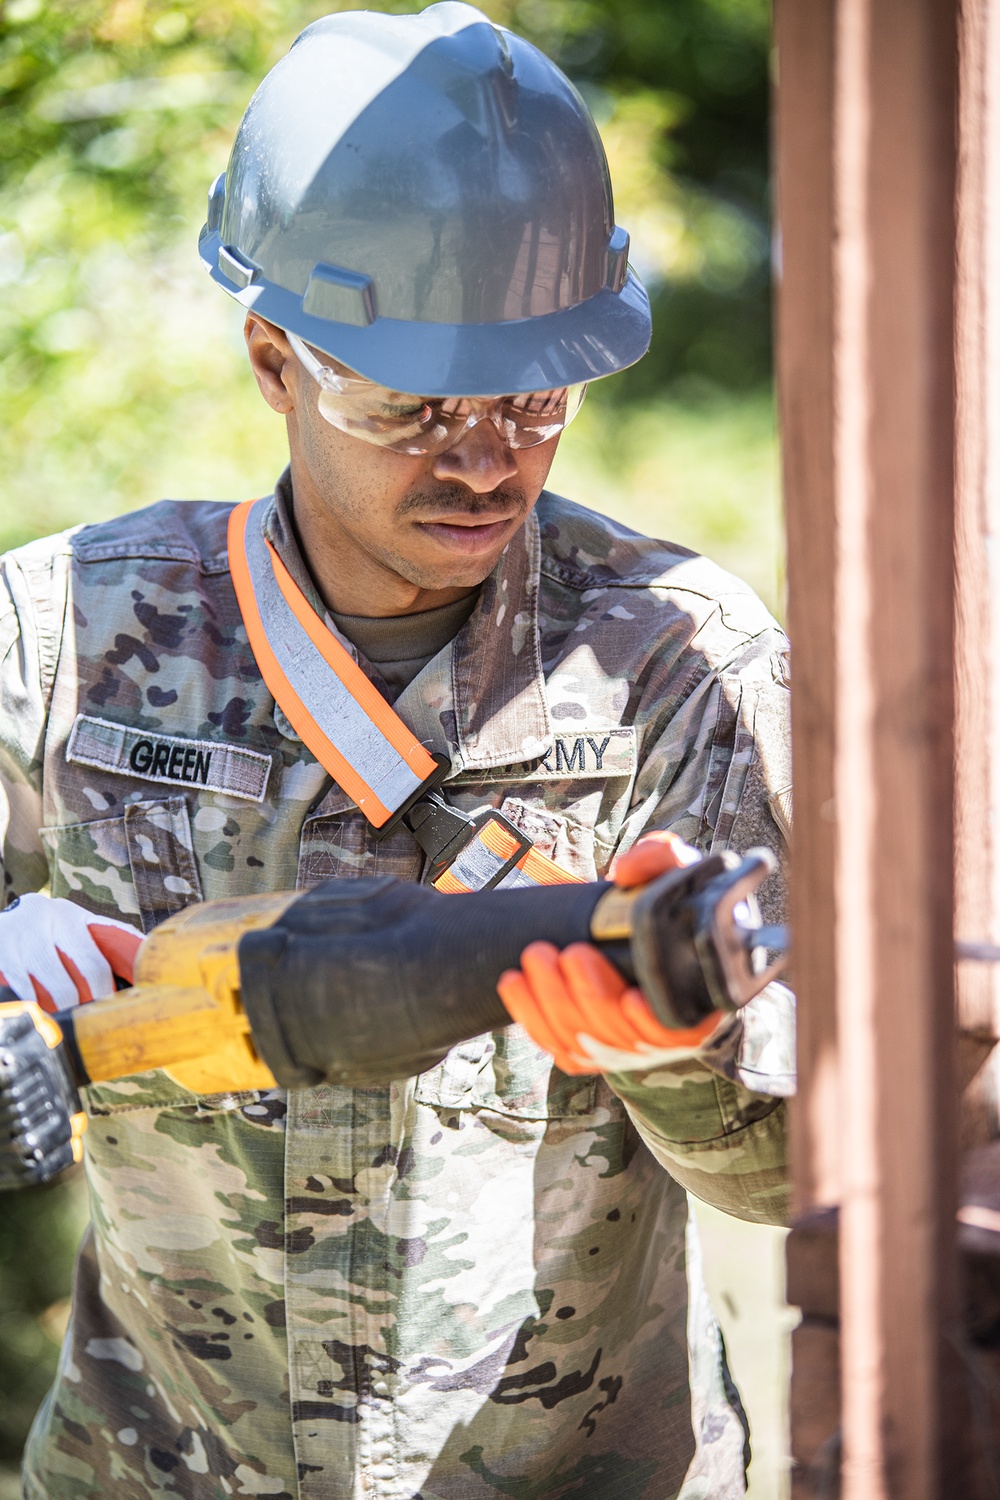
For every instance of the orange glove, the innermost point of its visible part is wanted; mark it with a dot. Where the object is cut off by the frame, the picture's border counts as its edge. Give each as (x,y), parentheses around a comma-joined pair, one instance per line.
(59,955)
(578,1006)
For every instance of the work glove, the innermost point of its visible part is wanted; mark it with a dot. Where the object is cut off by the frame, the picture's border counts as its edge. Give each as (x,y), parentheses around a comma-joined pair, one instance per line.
(579,1007)
(57,954)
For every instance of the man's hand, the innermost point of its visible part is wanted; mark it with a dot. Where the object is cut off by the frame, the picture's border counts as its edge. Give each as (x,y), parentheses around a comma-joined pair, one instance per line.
(578,1006)
(55,953)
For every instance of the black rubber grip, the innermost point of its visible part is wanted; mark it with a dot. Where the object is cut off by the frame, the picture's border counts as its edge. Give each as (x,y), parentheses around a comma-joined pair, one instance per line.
(37,1103)
(364,981)
(72,1055)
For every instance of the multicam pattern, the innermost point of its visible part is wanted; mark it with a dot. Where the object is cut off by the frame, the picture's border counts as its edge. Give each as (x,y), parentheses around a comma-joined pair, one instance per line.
(476,1283)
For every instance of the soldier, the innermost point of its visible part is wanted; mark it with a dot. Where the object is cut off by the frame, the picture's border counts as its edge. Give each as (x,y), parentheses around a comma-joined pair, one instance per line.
(482,1280)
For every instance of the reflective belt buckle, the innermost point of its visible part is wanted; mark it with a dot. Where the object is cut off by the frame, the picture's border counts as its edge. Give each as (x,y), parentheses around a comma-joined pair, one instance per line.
(463,853)
(491,848)
(442,765)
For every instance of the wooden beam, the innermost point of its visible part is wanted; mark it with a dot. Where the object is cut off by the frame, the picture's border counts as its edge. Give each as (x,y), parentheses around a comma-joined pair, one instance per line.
(974,698)
(977,621)
(866,364)
(804,155)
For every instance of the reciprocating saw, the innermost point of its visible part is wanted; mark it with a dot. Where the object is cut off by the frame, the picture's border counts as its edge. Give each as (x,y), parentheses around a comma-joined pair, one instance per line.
(362,981)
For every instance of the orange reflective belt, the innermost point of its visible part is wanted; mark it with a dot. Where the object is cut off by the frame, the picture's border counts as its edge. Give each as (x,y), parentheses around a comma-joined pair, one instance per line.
(342,717)
(356,736)
(493,846)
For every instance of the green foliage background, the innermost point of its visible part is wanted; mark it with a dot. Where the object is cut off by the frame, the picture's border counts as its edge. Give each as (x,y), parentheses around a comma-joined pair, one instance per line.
(122,375)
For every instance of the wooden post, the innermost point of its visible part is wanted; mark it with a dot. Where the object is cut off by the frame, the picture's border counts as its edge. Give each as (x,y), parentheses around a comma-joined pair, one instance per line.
(973,706)
(977,617)
(866,154)
(804,151)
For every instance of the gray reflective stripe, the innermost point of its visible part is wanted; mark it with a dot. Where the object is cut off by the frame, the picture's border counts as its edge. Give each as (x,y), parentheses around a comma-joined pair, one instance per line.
(475,865)
(337,714)
(515,880)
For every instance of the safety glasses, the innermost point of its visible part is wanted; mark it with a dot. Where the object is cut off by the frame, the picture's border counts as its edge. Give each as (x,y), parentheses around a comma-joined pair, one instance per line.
(430,424)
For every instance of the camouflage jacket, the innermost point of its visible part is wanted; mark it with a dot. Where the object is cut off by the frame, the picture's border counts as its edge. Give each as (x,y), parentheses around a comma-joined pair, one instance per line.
(478,1282)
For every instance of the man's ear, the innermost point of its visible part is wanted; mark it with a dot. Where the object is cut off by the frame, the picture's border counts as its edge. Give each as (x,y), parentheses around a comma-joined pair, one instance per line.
(270,359)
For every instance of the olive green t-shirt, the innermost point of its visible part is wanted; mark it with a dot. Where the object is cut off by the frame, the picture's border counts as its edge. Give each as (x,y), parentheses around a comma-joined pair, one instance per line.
(400,646)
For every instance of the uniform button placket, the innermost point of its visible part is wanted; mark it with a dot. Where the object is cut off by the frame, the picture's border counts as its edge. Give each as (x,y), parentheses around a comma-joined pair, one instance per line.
(319,1160)
(376,1412)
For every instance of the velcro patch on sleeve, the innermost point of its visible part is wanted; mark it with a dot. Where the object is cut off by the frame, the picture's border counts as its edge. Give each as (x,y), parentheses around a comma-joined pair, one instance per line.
(170,758)
(592,753)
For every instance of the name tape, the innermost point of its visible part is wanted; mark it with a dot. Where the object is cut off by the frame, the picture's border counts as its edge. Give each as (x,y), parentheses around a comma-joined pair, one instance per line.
(593,753)
(168,758)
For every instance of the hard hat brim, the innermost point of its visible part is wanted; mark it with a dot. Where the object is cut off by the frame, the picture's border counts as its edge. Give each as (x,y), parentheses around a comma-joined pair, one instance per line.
(599,336)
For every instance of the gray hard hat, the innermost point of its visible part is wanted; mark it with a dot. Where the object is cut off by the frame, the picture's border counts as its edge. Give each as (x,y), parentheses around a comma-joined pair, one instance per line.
(426,198)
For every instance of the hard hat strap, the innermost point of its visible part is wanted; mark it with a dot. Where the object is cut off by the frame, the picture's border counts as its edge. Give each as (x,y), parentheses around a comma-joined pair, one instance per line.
(357,736)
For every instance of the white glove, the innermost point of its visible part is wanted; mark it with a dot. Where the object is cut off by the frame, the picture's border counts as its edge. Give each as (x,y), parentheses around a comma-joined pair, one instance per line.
(55,953)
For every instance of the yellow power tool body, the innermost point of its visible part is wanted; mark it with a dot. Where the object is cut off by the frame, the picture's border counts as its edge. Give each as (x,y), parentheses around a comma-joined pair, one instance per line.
(359,982)
(184,1012)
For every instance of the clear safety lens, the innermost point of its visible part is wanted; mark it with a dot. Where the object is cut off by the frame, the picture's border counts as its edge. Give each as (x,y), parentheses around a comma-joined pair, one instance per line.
(430,424)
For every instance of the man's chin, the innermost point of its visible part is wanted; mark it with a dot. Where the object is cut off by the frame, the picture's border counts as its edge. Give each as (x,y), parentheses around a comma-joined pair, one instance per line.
(451,573)
(435,580)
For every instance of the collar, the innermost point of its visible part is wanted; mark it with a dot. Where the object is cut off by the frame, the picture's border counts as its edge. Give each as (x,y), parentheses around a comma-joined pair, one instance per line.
(279,529)
(481,700)
(501,710)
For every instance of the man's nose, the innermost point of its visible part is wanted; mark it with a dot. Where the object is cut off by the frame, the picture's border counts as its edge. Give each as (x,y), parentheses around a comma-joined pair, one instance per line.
(481,460)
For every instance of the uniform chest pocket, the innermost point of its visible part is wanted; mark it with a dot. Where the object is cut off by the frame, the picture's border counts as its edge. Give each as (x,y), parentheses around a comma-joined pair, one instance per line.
(138,864)
(505,1072)
(157,1091)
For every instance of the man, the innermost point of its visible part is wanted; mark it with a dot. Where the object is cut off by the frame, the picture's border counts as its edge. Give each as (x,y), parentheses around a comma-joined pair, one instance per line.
(479,1281)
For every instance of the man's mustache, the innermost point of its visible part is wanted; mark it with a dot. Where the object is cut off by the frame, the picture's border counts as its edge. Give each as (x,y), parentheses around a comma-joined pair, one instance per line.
(508,499)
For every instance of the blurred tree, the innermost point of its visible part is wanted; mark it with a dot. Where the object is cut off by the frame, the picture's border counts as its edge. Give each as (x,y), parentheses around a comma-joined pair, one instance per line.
(115,115)
(39,1231)
(680,90)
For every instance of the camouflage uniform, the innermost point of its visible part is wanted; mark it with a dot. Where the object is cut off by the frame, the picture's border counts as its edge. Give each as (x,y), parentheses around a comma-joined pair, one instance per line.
(478,1282)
